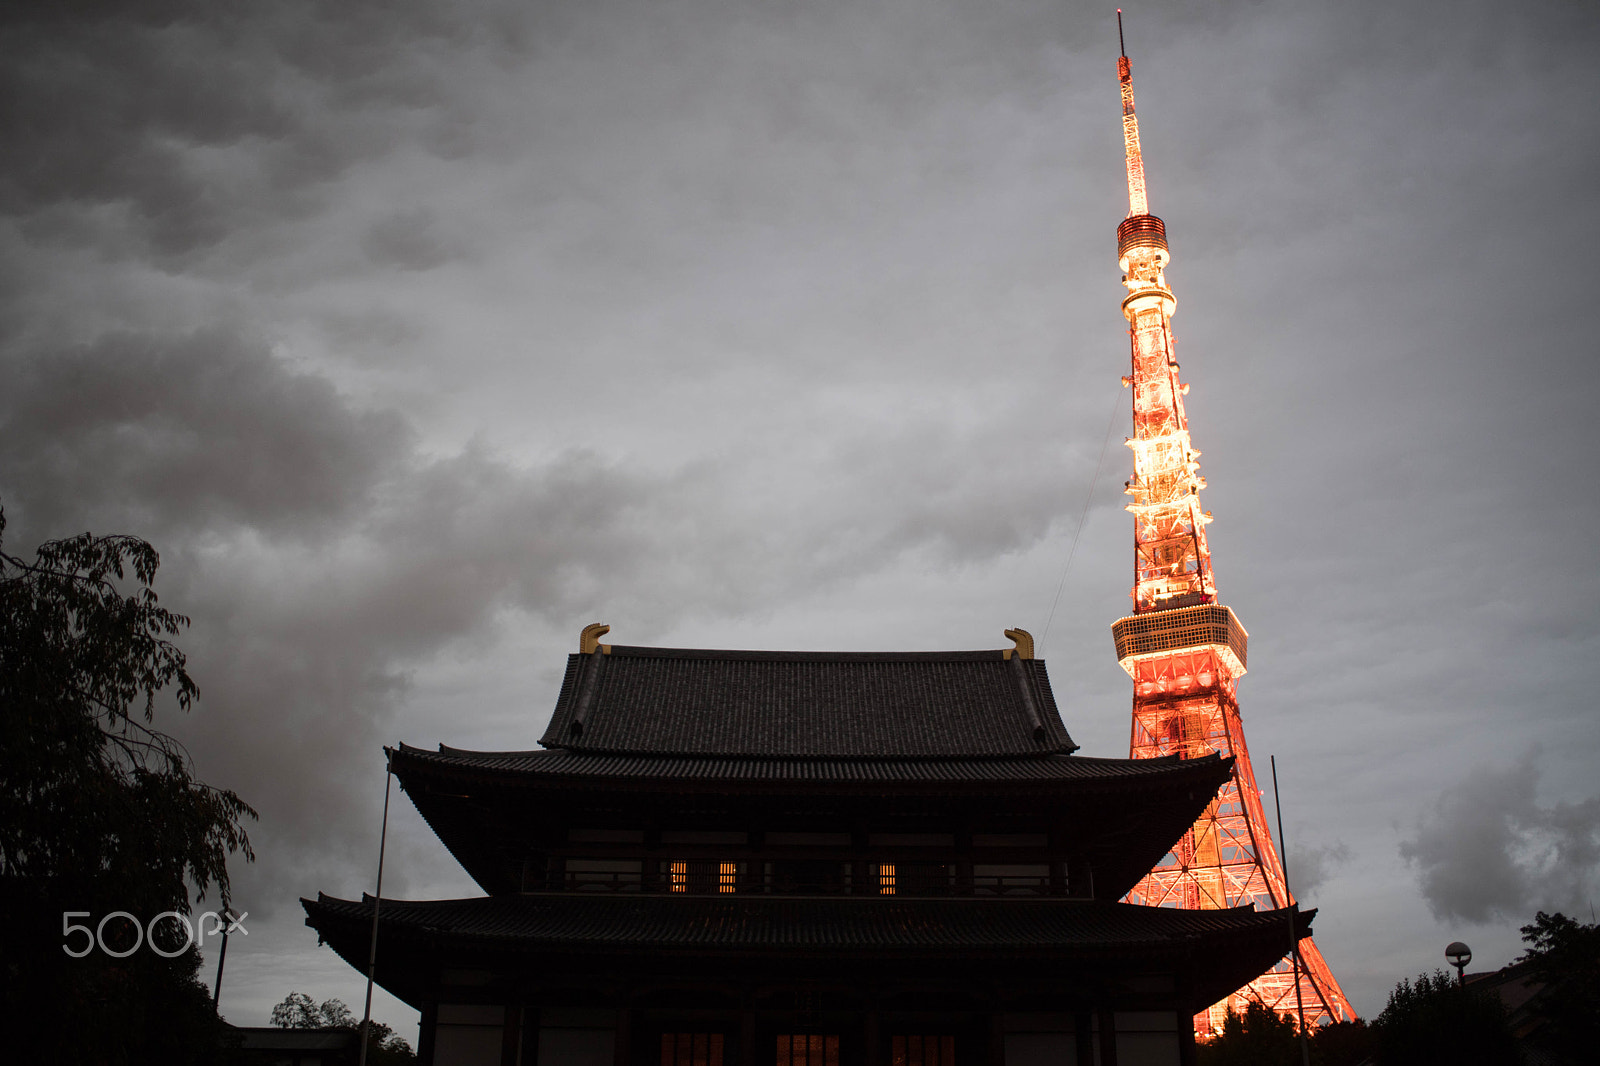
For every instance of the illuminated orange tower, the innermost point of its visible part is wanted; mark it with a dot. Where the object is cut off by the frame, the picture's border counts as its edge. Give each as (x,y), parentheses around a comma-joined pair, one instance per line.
(1184,650)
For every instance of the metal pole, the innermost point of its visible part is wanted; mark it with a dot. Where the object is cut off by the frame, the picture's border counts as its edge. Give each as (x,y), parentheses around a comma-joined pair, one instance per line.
(1294,941)
(222,958)
(377,901)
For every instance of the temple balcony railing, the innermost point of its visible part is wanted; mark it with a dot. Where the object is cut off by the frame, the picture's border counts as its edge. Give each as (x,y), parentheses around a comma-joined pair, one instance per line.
(910,880)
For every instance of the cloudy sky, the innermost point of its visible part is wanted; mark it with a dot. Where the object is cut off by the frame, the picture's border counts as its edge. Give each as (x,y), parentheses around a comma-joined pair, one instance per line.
(418,335)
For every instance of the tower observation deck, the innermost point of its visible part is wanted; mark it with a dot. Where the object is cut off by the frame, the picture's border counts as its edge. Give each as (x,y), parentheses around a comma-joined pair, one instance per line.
(1184,650)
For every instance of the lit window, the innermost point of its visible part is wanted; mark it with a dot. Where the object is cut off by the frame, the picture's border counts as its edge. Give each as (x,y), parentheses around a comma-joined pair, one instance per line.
(699,878)
(886,879)
(691,1049)
(918,1050)
(807,1049)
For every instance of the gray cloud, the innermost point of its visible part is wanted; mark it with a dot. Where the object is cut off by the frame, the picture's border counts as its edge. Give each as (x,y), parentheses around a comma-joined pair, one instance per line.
(1310,867)
(189,433)
(409,240)
(1487,850)
(166,130)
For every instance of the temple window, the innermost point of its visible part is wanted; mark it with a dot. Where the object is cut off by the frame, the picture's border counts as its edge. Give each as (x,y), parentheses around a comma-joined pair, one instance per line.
(691,1049)
(807,1049)
(914,878)
(918,1050)
(703,877)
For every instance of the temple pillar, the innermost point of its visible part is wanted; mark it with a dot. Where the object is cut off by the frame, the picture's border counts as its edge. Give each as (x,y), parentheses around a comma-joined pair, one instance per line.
(1108,1037)
(426,1031)
(1083,1036)
(622,1050)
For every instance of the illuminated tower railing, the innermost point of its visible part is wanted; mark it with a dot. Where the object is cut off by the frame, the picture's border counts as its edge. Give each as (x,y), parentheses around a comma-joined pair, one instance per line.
(1184,650)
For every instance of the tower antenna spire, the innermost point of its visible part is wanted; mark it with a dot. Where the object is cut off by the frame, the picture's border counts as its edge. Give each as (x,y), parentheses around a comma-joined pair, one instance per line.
(1138,201)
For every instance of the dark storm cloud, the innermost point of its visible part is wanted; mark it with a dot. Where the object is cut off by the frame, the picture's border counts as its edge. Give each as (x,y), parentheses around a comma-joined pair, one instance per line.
(1488,850)
(189,433)
(179,123)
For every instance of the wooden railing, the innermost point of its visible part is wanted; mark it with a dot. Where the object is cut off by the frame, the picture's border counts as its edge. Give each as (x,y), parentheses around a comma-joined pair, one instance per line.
(907,880)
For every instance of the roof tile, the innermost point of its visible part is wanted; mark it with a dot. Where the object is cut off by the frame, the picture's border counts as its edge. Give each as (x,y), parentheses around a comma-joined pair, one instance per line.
(669,701)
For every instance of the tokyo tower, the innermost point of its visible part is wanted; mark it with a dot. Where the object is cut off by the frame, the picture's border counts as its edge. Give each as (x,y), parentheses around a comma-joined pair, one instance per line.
(1183,649)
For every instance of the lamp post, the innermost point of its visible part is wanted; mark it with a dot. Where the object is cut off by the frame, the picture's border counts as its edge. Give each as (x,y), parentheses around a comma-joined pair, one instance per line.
(1459,955)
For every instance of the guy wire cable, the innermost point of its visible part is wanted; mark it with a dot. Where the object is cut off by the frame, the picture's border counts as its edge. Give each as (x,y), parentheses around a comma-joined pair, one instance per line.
(1072,549)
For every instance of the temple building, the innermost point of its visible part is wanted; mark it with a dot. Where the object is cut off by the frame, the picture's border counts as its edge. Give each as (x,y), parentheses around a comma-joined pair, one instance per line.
(757,858)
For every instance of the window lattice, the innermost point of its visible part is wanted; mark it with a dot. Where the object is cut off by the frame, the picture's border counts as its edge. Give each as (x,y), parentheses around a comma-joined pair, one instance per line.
(691,1049)
(807,1049)
(919,1050)
(702,878)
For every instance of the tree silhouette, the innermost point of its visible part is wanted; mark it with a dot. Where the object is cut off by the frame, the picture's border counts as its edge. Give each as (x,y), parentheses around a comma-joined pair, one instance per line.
(1564,956)
(300,1011)
(1434,1019)
(100,811)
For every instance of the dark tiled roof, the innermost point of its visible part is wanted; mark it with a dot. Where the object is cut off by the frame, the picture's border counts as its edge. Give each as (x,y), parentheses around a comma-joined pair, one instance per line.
(557,763)
(870,923)
(844,705)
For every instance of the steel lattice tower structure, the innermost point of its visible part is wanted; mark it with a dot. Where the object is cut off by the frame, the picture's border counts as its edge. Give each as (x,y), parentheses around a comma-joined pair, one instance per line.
(1184,650)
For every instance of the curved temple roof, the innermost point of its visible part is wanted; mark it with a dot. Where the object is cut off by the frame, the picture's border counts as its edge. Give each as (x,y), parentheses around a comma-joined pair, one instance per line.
(1227,945)
(842,705)
(512,765)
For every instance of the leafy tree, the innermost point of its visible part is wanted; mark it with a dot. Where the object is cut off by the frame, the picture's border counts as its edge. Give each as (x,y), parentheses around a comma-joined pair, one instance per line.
(299,1011)
(1564,956)
(1435,1020)
(1257,1037)
(1261,1037)
(1342,1044)
(100,811)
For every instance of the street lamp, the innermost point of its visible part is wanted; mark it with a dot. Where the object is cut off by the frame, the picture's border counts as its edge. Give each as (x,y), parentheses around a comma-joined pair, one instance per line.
(1459,955)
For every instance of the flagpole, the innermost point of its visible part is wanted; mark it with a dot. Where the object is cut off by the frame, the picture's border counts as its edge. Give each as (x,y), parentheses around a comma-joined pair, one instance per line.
(1294,941)
(222,958)
(377,901)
